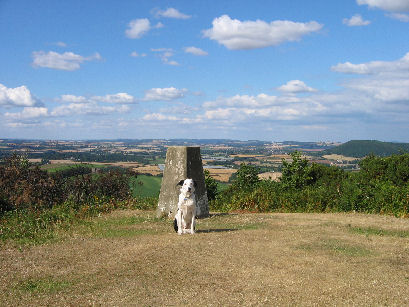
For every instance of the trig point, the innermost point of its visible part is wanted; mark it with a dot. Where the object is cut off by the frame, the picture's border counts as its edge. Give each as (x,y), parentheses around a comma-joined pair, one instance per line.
(182,162)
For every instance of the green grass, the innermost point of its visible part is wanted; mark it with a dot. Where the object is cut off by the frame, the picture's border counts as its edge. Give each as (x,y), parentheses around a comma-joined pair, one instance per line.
(371,231)
(344,248)
(43,285)
(337,247)
(222,186)
(31,228)
(27,227)
(121,227)
(146,186)
(52,168)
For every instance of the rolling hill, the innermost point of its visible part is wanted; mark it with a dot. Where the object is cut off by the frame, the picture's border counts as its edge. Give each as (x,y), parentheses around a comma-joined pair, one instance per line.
(362,148)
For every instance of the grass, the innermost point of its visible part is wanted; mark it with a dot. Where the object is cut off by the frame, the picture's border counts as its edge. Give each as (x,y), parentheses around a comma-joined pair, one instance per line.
(42,285)
(146,186)
(149,186)
(129,257)
(338,247)
(52,168)
(372,231)
(122,226)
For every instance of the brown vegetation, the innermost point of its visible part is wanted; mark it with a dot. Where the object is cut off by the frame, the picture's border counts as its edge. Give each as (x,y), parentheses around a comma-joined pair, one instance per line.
(221,174)
(130,258)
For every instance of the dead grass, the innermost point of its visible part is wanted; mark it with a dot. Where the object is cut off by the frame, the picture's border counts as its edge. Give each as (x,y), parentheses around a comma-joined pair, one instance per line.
(154,170)
(275,176)
(339,157)
(221,174)
(131,258)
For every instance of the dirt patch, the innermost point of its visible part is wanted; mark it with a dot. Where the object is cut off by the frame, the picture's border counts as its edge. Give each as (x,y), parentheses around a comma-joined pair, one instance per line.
(131,258)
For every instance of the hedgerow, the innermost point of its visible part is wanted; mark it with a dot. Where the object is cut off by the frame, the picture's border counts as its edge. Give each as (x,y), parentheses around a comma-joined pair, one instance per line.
(34,203)
(381,186)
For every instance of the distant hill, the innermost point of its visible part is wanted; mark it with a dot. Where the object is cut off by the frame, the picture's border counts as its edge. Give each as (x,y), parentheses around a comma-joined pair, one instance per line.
(362,148)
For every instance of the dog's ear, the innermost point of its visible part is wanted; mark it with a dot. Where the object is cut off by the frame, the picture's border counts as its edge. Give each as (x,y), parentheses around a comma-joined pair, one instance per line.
(181,182)
(195,183)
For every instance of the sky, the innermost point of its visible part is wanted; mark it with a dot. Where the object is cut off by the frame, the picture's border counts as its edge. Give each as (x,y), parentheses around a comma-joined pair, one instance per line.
(271,70)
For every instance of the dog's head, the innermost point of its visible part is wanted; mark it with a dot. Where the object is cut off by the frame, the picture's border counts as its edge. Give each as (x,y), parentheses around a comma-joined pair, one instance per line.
(188,186)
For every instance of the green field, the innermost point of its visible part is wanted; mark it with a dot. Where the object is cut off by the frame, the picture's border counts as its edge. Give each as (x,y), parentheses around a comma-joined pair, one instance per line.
(52,168)
(150,186)
(146,186)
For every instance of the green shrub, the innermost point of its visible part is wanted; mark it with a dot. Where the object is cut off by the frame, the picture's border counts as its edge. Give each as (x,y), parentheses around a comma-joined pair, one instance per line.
(381,187)
(211,186)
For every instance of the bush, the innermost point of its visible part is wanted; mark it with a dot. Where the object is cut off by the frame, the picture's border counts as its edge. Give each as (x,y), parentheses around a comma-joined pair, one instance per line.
(211,186)
(297,174)
(380,187)
(23,186)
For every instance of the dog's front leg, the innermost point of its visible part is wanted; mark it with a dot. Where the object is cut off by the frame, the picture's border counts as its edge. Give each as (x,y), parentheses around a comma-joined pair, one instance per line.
(179,220)
(192,224)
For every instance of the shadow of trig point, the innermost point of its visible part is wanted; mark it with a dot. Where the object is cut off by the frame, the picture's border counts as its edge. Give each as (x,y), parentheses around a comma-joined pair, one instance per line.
(182,162)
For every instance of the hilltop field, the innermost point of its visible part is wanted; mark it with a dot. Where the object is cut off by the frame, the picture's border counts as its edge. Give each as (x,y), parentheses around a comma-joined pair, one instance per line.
(78,235)
(131,258)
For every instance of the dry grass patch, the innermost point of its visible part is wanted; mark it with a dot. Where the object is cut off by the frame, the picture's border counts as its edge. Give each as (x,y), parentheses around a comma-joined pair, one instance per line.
(221,174)
(339,157)
(275,176)
(154,170)
(131,258)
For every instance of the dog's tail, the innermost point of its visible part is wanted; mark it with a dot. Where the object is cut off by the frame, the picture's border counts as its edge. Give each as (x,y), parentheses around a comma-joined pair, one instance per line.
(175,225)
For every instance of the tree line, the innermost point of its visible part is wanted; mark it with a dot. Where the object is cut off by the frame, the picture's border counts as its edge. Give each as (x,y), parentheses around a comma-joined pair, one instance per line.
(381,186)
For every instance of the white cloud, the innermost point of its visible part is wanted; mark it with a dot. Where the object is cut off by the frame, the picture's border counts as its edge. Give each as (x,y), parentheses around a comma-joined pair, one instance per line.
(242,108)
(91,108)
(387,5)
(159,116)
(165,54)
(119,98)
(399,16)
(235,34)
(65,61)
(374,67)
(382,89)
(28,113)
(61,44)
(355,21)
(296,86)
(18,96)
(115,98)
(167,94)
(195,51)
(73,99)
(136,54)
(171,13)
(138,27)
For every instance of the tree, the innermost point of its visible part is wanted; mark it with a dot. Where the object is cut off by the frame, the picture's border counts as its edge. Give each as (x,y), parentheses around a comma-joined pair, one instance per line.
(296,174)
(211,185)
(246,177)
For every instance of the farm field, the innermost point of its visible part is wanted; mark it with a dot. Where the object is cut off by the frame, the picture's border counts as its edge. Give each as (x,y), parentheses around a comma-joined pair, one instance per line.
(146,186)
(131,258)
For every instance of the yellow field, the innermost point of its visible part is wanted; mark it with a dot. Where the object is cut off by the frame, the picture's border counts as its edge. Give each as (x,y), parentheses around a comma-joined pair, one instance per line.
(221,174)
(154,170)
(270,175)
(339,157)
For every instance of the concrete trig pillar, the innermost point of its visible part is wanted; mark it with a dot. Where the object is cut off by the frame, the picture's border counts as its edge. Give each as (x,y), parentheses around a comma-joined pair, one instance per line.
(182,162)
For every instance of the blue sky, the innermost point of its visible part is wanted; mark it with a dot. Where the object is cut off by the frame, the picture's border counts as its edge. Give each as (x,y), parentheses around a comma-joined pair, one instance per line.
(269,70)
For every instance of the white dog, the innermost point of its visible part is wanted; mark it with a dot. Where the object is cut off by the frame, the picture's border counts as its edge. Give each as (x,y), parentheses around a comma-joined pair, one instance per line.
(185,218)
